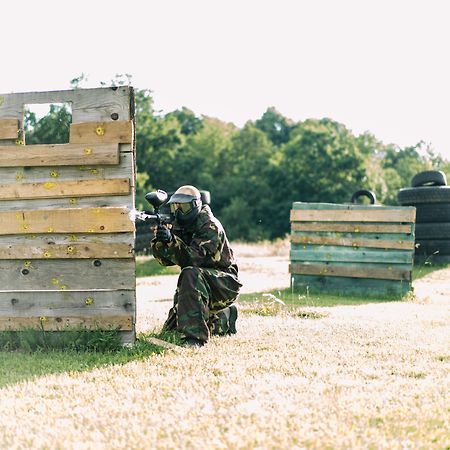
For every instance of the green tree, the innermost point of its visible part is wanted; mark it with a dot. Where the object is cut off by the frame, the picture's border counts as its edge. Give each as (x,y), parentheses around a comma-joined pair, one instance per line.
(53,128)
(275,125)
(246,189)
(320,163)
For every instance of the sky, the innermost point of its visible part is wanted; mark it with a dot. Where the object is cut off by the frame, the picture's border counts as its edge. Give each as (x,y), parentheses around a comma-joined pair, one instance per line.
(381,66)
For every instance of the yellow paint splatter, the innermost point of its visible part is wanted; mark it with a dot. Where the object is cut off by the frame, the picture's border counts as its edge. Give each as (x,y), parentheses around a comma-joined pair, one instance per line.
(63,287)
(91,230)
(27,263)
(20,142)
(47,254)
(94,171)
(54,174)
(73,201)
(50,230)
(43,319)
(72,237)
(89,301)
(88,151)
(55,281)
(25,226)
(49,185)
(19,176)
(100,131)
(70,249)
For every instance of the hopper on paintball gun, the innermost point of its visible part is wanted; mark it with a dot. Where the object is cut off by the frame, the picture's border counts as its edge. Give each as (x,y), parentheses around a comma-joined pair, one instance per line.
(156,199)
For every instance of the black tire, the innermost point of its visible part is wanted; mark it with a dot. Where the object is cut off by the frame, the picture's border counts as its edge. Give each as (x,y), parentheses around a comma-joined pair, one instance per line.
(433,212)
(433,230)
(428,247)
(430,178)
(366,193)
(424,194)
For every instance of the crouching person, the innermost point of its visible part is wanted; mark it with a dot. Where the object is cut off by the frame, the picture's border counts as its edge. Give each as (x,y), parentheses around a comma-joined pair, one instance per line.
(208,283)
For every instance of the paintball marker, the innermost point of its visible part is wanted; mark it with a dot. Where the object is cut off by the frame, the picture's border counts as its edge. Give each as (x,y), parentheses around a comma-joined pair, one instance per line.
(156,199)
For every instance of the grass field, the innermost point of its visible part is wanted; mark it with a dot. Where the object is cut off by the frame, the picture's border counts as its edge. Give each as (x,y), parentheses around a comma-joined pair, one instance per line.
(308,372)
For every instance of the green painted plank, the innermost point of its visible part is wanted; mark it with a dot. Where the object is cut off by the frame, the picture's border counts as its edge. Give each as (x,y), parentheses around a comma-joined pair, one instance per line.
(376,236)
(354,227)
(388,289)
(364,255)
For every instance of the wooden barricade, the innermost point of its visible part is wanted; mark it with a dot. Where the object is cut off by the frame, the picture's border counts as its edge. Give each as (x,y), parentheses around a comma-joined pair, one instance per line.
(66,239)
(352,249)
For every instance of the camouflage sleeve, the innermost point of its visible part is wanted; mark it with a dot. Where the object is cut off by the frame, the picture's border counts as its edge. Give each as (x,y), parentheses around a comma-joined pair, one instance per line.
(161,254)
(203,251)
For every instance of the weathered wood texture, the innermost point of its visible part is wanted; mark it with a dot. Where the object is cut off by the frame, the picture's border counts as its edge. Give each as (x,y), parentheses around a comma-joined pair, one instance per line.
(77,188)
(68,220)
(58,155)
(9,128)
(101,132)
(355,249)
(66,238)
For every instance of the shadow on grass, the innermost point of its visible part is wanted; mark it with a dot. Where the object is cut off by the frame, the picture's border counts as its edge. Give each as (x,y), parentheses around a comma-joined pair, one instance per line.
(25,364)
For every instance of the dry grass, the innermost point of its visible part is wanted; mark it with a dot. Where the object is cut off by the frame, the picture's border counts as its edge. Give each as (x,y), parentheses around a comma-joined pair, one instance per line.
(359,377)
(372,376)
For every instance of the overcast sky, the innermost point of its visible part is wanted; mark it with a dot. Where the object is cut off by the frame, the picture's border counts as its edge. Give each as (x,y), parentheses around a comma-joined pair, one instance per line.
(381,66)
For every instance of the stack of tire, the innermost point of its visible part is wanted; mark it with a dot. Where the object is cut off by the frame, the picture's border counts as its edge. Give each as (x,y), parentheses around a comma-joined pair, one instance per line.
(430,195)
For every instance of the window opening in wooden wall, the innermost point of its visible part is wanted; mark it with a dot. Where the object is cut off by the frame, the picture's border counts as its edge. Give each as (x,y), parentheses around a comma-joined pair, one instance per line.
(47,123)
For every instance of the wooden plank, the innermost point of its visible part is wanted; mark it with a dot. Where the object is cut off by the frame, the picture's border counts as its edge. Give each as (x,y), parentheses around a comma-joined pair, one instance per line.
(123,323)
(65,274)
(122,201)
(68,251)
(49,239)
(352,227)
(355,255)
(69,220)
(101,132)
(59,155)
(76,188)
(329,270)
(98,104)
(345,206)
(42,174)
(344,286)
(9,128)
(371,215)
(349,242)
(68,303)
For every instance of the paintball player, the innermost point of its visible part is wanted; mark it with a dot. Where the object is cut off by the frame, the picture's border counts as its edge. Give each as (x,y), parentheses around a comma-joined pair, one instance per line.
(208,283)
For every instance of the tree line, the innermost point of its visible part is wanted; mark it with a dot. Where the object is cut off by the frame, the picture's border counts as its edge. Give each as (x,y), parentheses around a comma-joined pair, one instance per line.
(254,173)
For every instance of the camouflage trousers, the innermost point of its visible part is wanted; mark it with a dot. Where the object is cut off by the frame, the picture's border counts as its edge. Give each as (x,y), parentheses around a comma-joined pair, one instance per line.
(201,293)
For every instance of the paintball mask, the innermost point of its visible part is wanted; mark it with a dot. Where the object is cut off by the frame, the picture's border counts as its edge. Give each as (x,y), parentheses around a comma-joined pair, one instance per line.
(185,204)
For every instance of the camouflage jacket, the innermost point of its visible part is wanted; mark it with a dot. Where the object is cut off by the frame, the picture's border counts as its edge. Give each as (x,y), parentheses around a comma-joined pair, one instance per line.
(202,244)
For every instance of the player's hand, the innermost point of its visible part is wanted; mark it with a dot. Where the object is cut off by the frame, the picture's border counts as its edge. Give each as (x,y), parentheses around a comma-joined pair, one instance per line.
(163,234)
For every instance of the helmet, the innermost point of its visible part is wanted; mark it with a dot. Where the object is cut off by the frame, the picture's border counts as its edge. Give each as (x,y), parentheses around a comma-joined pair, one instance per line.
(185,204)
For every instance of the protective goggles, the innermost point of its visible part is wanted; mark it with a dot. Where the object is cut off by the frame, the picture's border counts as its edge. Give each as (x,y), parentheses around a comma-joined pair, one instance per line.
(183,207)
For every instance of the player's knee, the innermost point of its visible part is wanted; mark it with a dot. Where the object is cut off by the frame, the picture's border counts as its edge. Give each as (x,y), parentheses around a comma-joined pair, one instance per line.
(189,273)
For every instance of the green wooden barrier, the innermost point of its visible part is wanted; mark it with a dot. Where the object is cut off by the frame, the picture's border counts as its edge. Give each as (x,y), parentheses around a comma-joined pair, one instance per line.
(352,249)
